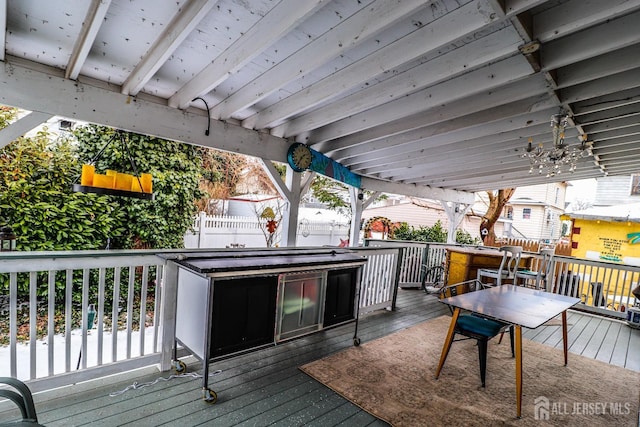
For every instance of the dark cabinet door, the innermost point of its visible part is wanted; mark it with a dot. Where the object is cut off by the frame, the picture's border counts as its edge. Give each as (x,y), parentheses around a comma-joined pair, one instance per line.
(340,296)
(243,314)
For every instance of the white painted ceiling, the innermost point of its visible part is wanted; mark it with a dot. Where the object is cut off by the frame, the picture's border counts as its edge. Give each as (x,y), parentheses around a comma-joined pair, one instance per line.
(410,94)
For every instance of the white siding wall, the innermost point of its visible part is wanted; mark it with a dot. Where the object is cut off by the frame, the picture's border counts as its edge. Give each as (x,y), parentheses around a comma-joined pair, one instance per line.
(543,200)
(614,190)
(417,216)
(544,193)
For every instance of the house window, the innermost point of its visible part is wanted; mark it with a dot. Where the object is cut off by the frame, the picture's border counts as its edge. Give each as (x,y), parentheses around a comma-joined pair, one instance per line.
(509,212)
(526,213)
(635,185)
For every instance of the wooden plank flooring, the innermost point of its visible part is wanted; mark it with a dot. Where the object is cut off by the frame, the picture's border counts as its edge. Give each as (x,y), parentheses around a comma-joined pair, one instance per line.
(266,387)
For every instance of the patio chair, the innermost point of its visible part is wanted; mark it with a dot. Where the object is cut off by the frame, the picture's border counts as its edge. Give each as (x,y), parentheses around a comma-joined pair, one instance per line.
(475,326)
(23,398)
(508,266)
(538,279)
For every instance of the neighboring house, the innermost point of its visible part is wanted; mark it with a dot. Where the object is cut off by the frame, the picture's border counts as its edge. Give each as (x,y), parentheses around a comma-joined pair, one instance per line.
(617,190)
(533,212)
(402,209)
(610,233)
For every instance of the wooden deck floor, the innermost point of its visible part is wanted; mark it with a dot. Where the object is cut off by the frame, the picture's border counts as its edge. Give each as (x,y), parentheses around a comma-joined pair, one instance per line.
(266,387)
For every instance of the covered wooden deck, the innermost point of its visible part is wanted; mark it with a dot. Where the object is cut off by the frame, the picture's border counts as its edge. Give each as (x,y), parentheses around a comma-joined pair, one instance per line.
(266,387)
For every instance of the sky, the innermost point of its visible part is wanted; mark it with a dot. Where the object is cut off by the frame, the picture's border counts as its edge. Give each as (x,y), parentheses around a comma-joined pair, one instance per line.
(584,189)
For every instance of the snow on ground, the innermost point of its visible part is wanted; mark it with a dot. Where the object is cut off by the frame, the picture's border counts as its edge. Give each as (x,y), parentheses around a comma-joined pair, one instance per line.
(59,342)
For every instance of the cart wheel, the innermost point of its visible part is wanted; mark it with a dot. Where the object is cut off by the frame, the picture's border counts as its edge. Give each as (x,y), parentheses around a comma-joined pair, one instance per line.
(356,342)
(210,396)
(180,367)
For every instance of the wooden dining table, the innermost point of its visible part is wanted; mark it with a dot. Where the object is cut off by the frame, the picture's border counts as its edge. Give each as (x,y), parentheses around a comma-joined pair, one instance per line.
(516,305)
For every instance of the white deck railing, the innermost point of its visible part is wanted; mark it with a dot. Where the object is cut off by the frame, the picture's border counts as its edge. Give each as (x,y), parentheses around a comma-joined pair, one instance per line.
(116,283)
(127,288)
(604,287)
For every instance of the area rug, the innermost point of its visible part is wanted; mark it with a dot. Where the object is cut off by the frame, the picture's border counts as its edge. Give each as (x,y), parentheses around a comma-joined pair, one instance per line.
(393,379)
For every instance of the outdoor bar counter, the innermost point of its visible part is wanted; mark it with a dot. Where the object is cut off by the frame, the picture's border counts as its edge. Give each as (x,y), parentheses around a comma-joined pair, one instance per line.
(235,301)
(463,263)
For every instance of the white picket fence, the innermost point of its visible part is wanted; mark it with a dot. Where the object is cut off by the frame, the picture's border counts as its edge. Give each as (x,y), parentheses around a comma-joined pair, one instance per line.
(241,231)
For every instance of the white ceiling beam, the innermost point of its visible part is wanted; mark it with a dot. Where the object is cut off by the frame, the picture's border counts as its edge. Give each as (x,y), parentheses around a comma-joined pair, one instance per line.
(617,161)
(529,87)
(475,158)
(624,152)
(510,176)
(22,126)
(441,32)
(603,86)
(275,178)
(575,15)
(50,93)
(474,82)
(527,181)
(480,149)
(614,142)
(486,50)
(285,16)
(479,186)
(417,191)
(618,123)
(481,118)
(90,27)
(469,152)
(169,40)
(591,42)
(605,65)
(515,7)
(435,152)
(629,169)
(615,133)
(606,115)
(367,22)
(606,102)
(3,27)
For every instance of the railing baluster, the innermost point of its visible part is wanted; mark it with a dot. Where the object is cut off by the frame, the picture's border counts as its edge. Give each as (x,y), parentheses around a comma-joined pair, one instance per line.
(130,297)
(100,312)
(157,297)
(83,320)
(115,314)
(51,323)
(143,306)
(68,319)
(13,322)
(33,322)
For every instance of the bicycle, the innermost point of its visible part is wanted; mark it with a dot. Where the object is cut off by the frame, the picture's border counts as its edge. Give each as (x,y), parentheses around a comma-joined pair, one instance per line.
(433,279)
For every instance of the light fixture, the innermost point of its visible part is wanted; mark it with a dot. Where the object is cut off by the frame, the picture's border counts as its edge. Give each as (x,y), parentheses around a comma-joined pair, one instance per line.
(7,239)
(552,161)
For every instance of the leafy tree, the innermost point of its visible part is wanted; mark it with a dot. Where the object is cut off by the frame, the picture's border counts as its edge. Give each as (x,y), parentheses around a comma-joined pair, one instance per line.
(36,199)
(497,202)
(332,193)
(221,173)
(7,115)
(175,167)
(435,233)
(335,195)
(465,238)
